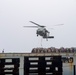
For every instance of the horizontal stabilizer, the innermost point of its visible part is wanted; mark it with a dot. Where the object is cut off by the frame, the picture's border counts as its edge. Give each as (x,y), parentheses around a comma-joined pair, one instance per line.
(49,37)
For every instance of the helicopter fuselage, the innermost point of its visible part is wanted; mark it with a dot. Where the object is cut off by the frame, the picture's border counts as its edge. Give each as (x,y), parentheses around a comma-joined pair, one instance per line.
(42,32)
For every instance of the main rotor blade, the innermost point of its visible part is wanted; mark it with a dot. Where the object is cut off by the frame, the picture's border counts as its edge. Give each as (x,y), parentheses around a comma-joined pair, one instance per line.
(36,24)
(51,28)
(58,24)
(31,26)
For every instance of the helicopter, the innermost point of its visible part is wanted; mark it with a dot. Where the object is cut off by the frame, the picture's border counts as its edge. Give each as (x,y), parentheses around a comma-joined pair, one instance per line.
(41,31)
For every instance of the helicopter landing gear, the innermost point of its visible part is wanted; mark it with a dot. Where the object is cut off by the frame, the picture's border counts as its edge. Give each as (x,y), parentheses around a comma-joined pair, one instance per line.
(37,35)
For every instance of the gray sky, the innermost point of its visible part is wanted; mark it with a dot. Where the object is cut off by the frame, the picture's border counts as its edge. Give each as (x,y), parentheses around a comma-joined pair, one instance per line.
(14,14)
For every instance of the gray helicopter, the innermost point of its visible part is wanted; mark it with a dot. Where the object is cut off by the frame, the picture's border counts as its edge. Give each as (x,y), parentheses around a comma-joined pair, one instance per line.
(42,31)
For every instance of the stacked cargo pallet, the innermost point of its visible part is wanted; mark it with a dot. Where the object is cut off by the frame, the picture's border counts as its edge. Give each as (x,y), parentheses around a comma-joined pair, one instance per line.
(9,66)
(43,65)
(30,64)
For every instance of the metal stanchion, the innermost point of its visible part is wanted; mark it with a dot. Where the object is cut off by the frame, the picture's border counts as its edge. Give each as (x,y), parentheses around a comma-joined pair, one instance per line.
(74,70)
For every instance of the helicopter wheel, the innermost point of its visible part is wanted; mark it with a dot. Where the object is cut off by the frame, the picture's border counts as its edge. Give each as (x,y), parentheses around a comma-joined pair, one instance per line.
(37,35)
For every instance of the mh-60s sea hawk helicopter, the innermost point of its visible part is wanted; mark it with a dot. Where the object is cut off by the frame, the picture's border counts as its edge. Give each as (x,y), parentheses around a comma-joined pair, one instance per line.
(42,31)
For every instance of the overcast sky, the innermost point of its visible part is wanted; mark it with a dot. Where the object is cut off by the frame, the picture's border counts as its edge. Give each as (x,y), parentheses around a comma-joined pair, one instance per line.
(14,14)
